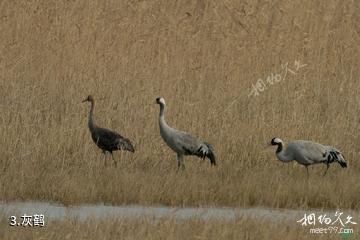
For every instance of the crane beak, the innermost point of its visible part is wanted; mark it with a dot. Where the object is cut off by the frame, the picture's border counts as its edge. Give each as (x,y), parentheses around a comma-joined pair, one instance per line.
(84,100)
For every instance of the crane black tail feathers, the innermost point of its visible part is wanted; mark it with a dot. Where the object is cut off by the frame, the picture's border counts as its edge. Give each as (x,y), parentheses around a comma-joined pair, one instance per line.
(210,154)
(342,161)
(204,151)
(335,155)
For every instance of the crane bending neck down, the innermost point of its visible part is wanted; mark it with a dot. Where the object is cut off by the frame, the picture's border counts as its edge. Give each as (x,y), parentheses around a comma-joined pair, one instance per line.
(280,152)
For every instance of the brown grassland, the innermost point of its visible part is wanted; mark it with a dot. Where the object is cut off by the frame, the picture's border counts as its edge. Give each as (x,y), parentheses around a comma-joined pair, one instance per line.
(203,57)
(166,228)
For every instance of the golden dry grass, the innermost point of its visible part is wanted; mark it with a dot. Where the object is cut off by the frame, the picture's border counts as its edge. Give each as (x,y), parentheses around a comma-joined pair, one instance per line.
(199,55)
(166,228)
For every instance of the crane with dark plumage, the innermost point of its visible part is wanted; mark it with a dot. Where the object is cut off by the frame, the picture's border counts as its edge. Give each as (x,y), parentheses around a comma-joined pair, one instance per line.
(106,139)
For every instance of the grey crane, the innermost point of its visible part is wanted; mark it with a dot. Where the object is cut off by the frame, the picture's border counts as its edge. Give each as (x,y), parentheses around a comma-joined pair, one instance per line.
(183,143)
(106,139)
(307,153)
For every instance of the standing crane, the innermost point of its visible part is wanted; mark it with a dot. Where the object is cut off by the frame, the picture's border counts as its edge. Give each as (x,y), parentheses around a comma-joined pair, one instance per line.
(307,153)
(183,143)
(106,139)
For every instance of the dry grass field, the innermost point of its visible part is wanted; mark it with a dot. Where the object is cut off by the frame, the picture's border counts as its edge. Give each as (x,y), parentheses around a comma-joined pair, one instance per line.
(203,57)
(167,228)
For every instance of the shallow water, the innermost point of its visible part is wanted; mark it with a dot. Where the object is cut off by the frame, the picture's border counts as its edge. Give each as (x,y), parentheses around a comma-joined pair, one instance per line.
(99,211)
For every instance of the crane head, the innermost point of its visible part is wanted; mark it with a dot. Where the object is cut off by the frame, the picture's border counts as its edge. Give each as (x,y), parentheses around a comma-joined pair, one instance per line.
(160,100)
(275,141)
(89,99)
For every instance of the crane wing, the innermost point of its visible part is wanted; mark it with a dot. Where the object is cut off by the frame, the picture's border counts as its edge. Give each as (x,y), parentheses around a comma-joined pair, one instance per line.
(194,146)
(111,140)
(311,151)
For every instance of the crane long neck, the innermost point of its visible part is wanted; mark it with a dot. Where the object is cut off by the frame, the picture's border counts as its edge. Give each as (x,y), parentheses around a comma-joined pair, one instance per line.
(280,147)
(162,121)
(91,115)
(282,154)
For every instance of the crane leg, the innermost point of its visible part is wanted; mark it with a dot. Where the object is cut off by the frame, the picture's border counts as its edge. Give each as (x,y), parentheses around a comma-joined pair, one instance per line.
(327,167)
(114,159)
(307,171)
(180,161)
(104,157)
